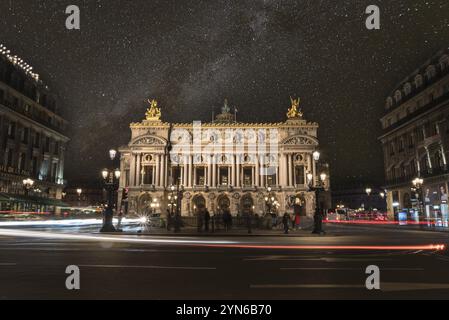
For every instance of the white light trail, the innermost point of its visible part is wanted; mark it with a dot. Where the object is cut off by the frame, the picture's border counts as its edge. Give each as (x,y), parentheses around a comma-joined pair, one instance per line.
(101,238)
(70,223)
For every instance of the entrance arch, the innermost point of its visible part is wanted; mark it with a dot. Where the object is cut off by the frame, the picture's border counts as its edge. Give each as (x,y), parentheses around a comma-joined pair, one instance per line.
(223,202)
(199,203)
(247,204)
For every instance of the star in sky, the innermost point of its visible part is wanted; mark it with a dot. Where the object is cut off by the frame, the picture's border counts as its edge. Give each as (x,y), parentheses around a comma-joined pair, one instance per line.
(190,55)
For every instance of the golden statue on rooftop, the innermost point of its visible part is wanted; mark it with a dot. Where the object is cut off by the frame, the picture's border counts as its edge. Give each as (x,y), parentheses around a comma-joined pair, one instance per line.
(153,113)
(294,111)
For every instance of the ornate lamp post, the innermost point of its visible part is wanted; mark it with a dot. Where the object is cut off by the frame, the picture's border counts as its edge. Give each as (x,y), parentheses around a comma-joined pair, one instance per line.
(79,191)
(418,183)
(28,184)
(270,200)
(368,202)
(172,199)
(317,187)
(111,178)
(154,205)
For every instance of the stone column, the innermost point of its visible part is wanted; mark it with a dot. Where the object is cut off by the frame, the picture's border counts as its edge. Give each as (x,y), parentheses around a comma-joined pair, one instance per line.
(289,170)
(257,173)
(253,175)
(132,170)
(192,171)
(194,175)
(281,168)
(238,168)
(214,173)
(156,182)
(185,172)
(163,171)
(139,174)
(209,170)
(232,182)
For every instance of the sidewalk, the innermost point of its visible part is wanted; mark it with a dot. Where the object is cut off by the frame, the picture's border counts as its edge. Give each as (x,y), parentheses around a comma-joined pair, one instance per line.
(189,232)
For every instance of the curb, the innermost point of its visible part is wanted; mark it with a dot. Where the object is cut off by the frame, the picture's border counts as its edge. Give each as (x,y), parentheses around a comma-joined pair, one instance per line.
(278,235)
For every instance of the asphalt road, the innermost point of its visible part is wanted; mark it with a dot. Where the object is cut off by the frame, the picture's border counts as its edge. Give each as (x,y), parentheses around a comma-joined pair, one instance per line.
(32,266)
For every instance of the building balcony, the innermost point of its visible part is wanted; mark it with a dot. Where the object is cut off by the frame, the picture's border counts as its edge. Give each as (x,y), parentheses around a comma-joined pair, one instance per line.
(148,187)
(200,188)
(249,188)
(430,173)
(224,187)
(433,104)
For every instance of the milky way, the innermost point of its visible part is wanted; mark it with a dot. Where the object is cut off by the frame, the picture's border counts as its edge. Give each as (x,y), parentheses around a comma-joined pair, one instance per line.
(191,55)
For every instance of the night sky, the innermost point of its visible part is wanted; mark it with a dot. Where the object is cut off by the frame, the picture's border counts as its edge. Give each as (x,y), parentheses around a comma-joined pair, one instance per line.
(190,55)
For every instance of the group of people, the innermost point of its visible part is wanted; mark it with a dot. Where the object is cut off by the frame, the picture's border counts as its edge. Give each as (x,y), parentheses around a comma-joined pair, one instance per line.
(204,220)
(173,220)
(288,220)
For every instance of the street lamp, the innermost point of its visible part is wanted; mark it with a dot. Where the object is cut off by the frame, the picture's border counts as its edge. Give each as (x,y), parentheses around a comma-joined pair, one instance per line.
(154,205)
(111,178)
(368,202)
(79,191)
(27,184)
(418,183)
(270,200)
(318,188)
(174,197)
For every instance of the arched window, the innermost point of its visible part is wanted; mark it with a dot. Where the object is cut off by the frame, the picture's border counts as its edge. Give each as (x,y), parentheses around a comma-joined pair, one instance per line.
(397,96)
(418,81)
(412,167)
(407,88)
(424,165)
(389,103)
(438,160)
(430,72)
(402,171)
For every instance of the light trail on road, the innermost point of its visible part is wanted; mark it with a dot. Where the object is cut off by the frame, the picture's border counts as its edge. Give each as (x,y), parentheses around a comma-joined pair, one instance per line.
(209,243)
(68,222)
(383,222)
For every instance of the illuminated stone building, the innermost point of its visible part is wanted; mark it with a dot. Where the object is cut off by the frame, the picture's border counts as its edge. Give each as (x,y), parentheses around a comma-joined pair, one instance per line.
(223,164)
(415,141)
(32,140)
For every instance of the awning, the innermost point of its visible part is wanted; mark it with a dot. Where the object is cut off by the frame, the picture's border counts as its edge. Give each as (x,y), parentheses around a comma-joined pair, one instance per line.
(32,199)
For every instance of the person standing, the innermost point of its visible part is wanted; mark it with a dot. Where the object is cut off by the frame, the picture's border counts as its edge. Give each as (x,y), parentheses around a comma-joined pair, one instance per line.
(318,222)
(286,222)
(169,218)
(226,220)
(297,221)
(249,217)
(200,220)
(206,220)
